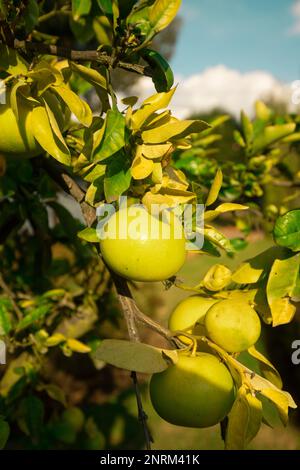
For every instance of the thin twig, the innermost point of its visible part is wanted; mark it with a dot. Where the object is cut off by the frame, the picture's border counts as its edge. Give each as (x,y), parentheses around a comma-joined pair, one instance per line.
(51,14)
(11,296)
(76,55)
(142,415)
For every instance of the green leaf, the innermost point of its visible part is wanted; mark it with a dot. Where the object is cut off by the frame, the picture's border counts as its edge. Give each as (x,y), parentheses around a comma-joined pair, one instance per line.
(161,72)
(43,133)
(287,230)
(76,105)
(25,362)
(247,128)
(4,432)
(272,134)
(80,8)
(94,77)
(32,411)
(118,177)
(238,138)
(89,234)
(244,421)
(114,136)
(5,320)
(137,357)
(54,392)
(11,62)
(33,316)
(217,238)
(215,188)
(282,282)
(31,15)
(106,6)
(266,367)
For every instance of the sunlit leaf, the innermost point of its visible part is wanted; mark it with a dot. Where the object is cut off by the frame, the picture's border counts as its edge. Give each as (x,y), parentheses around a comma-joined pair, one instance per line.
(281,285)
(172,130)
(77,106)
(78,346)
(267,368)
(43,133)
(149,107)
(215,188)
(217,277)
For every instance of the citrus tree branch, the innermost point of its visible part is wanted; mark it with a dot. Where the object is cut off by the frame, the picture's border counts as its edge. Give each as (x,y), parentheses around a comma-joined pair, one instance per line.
(11,296)
(76,55)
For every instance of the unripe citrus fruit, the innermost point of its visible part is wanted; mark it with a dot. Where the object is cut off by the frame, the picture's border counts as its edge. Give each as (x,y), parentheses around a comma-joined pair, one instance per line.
(16,137)
(135,250)
(189,316)
(75,417)
(196,392)
(233,324)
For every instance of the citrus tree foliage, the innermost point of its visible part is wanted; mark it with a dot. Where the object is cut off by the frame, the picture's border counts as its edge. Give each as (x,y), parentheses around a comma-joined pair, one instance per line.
(56,297)
(260,152)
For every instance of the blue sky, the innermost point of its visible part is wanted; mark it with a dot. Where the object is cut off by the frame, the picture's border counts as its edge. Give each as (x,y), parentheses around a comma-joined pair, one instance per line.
(244,35)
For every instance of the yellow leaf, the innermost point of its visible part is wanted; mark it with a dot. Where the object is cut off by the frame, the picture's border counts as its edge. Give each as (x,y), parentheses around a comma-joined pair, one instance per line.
(283,311)
(177,130)
(157,174)
(221,209)
(280,401)
(76,105)
(149,106)
(282,281)
(155,151)
(78,346)
(215,188)
(157,119)
(141,167)
(55,339)
(217,277)
(177,178)
(267,368)
(43,133)
(54,124)
(162,13)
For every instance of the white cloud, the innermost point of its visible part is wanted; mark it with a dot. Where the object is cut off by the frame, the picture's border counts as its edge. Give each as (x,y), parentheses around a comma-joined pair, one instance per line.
(295,10)
(220,87)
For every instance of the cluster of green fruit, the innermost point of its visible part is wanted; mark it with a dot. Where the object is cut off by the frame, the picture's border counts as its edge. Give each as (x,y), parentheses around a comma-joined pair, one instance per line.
(201,386)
